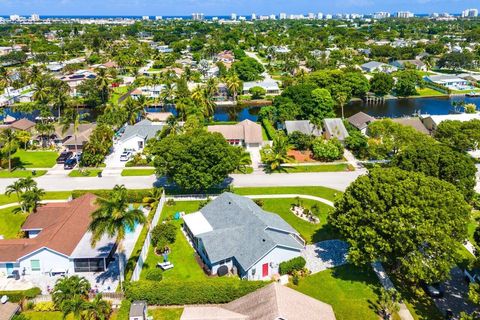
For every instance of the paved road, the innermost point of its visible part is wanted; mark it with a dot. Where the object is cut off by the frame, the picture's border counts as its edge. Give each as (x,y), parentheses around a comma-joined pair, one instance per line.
(334,180)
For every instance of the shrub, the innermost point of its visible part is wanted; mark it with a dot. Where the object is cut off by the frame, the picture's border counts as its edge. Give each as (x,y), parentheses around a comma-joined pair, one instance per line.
(257,92)
(170,292)
(327,150)
(259,202)
(300,141)
(132,195)
(123,312)
(18,295)
(295,264)
(203,203)
(167,231)
(154,275)
(44,306)
(269,129)
(170,202)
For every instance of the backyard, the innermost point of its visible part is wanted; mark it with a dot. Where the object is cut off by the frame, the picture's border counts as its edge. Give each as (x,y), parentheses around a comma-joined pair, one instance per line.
(166,313)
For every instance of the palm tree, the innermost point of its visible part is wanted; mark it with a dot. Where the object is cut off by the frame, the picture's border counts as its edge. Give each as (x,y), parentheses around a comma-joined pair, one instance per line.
(112,218)
(153,197)
(72,119)
(16,187)
(76,306)
(133,110)
(245,161)
(10,144)
(24,137)
(27,183)
(234,85)
(277,154)
(31,199)
(67,288)
(103,84)
(98,309)
(341,98)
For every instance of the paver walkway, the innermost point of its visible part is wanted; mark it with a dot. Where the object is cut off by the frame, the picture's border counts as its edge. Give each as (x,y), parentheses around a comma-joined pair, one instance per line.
(325,255)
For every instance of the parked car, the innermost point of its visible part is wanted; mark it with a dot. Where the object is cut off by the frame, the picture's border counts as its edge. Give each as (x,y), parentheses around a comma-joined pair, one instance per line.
(64,156)
(434,290)
(70,163)
(15,275)
(472,275)
(125,156)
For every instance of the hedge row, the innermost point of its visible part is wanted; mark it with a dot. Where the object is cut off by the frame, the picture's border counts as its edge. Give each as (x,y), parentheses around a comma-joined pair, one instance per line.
(295,264)
(132,195)
(19,295)
(269,129)
(212,291)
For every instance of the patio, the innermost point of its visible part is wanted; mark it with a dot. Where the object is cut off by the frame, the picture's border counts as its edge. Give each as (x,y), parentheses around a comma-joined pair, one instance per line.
(325,255)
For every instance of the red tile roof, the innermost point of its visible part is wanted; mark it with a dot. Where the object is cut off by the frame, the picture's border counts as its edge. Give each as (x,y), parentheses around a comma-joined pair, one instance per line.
(63,226)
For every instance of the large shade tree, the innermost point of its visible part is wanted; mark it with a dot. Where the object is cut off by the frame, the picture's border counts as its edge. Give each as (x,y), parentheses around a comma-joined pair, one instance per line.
(411,222)
(437,160)
(196,160)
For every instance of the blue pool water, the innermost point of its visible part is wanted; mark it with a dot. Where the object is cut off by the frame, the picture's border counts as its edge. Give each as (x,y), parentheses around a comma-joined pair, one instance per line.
(129,231)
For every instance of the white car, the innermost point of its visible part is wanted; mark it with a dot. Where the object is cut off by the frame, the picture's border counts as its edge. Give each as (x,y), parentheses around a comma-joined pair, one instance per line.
(125,156)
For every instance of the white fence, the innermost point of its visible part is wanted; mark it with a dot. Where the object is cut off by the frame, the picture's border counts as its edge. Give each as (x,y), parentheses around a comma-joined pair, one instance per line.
(146,244)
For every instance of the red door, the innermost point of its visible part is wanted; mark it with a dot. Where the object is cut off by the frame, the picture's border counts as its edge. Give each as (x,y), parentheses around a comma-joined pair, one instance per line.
(265,270)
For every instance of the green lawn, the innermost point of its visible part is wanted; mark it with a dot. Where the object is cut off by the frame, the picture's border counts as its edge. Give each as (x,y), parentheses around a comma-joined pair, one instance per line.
(472,226)
(317,168)
(54,315)
(182,254)
(21,173)
(117,93)
(166,313)
(49,195)
(35,159)
(248,170)
(322,192)
(352,292)
(137,172)
(264,134)
(86,173)
(11,222)
(310,232)
(429,92)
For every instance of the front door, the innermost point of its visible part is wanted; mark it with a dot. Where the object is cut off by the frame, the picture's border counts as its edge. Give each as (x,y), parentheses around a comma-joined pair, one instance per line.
(9,268)
(265,270)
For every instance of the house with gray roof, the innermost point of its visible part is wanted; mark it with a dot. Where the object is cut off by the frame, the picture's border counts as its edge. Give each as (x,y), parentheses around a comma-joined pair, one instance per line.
(303,126)
(361,120)
(374,66)
(135,136)
(232,234)
(334,128)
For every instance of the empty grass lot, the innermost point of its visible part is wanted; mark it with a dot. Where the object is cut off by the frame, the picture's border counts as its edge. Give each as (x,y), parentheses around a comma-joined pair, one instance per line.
(86,173)
(5,174)
(34,159)
(137,172)
(351,291)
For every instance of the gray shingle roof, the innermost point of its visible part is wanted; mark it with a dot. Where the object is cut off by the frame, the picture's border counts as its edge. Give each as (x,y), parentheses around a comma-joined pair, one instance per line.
(336,128)
(360,120)
(303,126)
(241,229)
(144,129)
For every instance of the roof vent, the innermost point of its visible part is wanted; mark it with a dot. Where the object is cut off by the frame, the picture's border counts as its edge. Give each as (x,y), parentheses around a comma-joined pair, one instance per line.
(229,202)
(263,240)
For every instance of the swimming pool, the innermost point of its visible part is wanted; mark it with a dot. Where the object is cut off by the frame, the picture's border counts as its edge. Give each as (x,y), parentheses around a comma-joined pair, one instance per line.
(128,230)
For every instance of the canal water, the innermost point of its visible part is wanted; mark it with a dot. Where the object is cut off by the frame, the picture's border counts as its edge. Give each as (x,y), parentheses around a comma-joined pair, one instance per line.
(394,108)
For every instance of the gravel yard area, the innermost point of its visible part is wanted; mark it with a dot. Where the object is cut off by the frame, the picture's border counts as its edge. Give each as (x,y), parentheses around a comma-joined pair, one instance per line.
(325,254)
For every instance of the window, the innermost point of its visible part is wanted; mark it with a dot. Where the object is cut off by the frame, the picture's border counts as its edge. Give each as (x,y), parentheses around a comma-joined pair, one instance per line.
(35,265)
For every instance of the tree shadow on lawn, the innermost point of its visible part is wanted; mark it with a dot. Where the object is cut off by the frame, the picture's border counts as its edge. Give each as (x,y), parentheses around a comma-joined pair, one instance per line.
(325,232)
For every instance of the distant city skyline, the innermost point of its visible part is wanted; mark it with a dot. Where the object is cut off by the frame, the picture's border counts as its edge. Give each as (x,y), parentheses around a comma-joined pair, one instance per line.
(226,7)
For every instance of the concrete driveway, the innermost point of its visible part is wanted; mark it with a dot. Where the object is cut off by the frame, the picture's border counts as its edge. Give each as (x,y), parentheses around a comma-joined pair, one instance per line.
(456,295)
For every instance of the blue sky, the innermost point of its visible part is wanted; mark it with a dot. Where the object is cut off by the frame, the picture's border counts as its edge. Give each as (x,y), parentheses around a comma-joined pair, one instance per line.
(225,7)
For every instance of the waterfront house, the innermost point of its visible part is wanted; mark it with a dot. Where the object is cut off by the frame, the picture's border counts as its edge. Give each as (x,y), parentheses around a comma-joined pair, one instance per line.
(270,86)
(57,242)
(432,122)
(413,122)
(247,133)
(450,81)
(233,234)
(361,120)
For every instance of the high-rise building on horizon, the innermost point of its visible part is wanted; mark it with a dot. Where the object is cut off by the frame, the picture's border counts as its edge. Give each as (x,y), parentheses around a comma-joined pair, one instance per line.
(470,13)
(35,17)
(282,16)
(158,18)
(145,18)
(404,14)
(320,15)
(254,16)
(233,16)
(273,17)
(14,17)
(197,16)
(381,15)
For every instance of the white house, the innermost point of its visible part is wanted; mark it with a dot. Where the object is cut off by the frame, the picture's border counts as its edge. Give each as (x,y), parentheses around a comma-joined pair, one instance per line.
(374,66)
(233,234)
(270,86)
(58,241)
(450,81)
(136,136)
(247,133)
